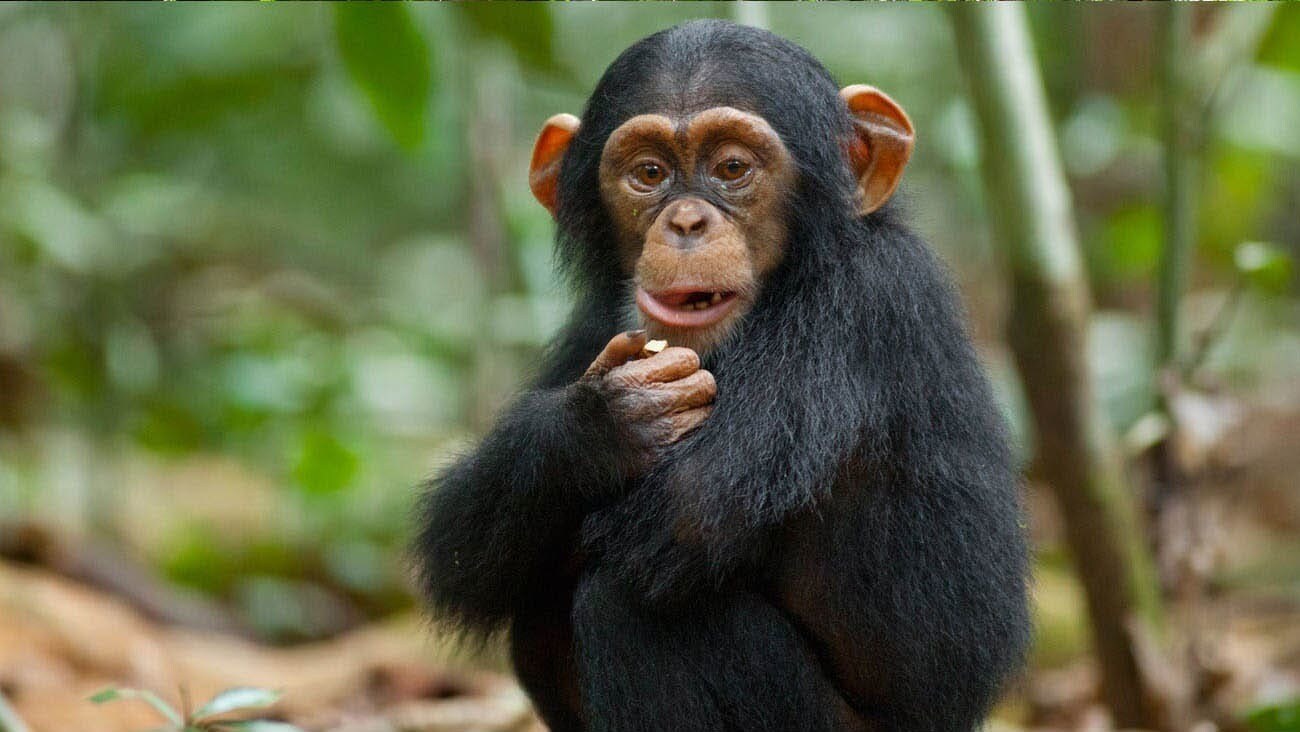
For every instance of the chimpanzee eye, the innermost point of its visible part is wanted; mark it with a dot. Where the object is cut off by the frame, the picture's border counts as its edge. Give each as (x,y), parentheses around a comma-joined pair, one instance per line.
(732,170)
(649,176)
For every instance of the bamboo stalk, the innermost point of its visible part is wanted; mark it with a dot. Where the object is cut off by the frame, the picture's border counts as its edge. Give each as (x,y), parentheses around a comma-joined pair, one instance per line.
(1179,129)
(1030,210)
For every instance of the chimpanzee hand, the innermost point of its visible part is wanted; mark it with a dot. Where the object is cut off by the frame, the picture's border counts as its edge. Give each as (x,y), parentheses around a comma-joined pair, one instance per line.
(655,400)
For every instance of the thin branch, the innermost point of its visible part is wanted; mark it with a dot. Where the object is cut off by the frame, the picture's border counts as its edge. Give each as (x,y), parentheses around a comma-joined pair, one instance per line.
(1213,333)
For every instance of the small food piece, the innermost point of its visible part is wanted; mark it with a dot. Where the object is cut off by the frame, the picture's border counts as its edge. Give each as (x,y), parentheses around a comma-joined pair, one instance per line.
(651,348)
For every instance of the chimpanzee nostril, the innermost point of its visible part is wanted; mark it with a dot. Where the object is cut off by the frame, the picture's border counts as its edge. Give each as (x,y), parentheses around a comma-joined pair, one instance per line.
(688,220)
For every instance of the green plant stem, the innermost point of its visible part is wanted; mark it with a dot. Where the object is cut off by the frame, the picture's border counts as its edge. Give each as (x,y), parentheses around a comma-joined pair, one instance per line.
(1181,137)
(1030,210)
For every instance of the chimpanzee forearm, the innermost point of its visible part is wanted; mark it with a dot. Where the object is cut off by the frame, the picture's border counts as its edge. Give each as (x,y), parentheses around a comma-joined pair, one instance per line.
(502,517)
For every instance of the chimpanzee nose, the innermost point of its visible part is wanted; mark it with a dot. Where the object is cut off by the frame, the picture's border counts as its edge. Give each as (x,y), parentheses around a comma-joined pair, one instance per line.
(689,220)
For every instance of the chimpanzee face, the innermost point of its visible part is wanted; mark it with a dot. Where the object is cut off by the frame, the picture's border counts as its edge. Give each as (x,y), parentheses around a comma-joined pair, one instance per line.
(699,206)
(700,203)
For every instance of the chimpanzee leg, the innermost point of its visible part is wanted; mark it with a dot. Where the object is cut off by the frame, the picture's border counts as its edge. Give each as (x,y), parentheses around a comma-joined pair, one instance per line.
(729,662)
(541,650)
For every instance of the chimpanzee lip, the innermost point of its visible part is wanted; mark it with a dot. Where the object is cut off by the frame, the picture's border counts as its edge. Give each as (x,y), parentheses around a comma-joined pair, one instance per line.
(667,306)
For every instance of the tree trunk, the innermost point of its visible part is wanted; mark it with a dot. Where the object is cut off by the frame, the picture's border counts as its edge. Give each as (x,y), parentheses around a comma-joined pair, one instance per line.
(1030,210)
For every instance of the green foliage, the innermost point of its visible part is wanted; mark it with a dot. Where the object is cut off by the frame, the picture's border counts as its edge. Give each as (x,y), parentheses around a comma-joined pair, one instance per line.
(238,699)
(1264,266)
(241,697)
(148,697)
(199,559)
(1132,242)
(529,30)
(1280,47)
(196,101)
(1284,717)
(324,464)
(387,57)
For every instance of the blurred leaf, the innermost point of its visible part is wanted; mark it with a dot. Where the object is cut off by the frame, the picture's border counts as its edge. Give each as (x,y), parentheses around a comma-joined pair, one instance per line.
(1239,181)
(284,610)
(76,369)
(260,725)
(325,465)
(356,564)
(239,697)
(1093,136)
(191,102)
(1265,266)
(528,29)
(1121,362)
(199,559)
(57,222)
(1283,717)
(148,697)
(168,427)
(1265,111)
(388,58)
(1132,242)
(1281,46)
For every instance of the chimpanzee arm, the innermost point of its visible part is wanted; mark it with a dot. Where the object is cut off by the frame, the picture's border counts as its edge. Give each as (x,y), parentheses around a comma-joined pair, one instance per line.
(499,522)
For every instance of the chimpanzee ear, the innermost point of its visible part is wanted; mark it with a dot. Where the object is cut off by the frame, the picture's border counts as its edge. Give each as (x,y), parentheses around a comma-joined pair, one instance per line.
(548,153)
(881,145)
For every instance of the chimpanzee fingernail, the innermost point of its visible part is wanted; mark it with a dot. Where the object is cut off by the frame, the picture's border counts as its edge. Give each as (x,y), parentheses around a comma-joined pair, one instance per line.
(635,333)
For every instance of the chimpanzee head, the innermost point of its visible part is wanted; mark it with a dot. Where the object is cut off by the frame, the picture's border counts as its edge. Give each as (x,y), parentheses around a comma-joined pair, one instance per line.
(705,156)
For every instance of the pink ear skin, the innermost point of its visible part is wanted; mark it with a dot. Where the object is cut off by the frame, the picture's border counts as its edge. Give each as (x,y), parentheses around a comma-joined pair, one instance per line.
(881,145)
(548,154)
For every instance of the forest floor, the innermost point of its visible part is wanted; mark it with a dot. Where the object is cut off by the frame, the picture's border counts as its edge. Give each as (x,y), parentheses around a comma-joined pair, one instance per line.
(61,641)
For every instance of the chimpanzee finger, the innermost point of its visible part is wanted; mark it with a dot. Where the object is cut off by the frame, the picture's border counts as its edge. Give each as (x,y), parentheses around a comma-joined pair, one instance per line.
(682,423)
(670,364)
(616,353)
(696,390)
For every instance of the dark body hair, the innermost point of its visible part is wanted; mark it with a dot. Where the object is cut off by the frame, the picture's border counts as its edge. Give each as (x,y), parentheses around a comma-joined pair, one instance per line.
(837,547)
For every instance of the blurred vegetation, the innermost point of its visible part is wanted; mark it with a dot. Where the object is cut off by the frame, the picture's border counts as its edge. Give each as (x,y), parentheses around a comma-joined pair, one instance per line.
(261,267)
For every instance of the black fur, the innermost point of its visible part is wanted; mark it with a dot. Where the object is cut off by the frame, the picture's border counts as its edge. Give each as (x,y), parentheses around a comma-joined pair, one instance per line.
(842,533)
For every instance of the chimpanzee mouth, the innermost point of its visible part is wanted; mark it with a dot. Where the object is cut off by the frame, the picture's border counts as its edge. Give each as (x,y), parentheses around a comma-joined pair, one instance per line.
(685,308)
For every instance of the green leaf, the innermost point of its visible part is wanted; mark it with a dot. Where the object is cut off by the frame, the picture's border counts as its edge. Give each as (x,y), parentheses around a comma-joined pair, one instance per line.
(258,725)
(239,697)
(528,29)
(148,697)
(1279,47)
(324,465)
(1132,242)
(1265,266)
(107,695)
(1284,717)
(387,57)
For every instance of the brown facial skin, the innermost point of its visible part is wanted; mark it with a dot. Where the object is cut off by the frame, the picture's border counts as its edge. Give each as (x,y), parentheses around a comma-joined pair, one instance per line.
(660,179)
(658,399)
